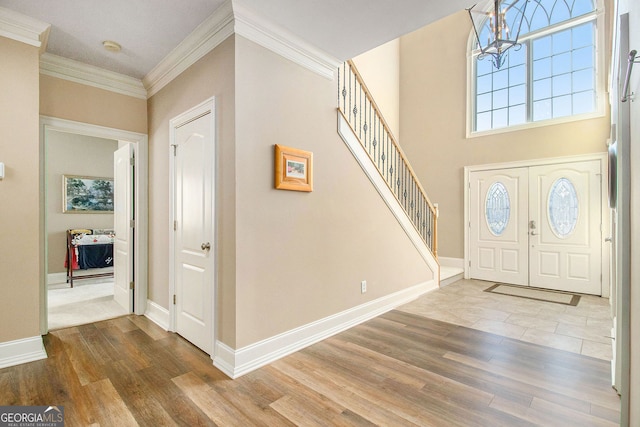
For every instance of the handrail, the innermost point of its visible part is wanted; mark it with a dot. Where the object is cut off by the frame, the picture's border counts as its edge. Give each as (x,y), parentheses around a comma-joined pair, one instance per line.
(407,189)
(630,62)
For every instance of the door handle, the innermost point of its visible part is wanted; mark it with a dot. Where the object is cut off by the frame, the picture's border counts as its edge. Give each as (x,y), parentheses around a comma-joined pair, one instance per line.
(205,246)
(608,239)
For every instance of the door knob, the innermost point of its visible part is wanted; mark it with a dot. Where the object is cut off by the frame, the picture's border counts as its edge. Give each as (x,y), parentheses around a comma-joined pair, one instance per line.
(205,246)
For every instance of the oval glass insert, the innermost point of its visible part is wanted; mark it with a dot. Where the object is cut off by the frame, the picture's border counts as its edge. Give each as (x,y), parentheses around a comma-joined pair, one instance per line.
(497,208)
(563,208)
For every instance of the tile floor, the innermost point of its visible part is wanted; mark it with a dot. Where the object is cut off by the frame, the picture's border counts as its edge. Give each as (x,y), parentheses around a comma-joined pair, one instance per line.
(583,329)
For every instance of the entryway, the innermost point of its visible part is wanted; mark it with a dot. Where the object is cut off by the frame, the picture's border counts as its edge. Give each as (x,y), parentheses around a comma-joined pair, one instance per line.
(123,156)
(538,225)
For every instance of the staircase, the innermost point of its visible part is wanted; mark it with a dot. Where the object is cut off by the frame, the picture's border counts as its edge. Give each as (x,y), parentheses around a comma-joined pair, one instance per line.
(368,136)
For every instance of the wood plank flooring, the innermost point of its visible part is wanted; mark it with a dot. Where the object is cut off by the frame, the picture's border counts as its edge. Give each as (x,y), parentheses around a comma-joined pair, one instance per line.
(399,369)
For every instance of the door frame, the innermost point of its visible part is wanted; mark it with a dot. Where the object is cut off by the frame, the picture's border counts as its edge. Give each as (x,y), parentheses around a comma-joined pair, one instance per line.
(141,208)
(605,214)
(207,106)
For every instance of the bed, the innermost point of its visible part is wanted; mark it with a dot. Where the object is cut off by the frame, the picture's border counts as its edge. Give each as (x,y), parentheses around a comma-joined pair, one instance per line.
(88,249)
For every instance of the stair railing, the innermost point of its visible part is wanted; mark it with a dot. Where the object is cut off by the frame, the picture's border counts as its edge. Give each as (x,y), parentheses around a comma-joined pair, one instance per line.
(359,109)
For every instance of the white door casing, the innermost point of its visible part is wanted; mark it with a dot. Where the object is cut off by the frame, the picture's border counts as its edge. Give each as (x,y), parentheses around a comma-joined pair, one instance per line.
(499,245)
(193,254)
(122,218)
(565,247)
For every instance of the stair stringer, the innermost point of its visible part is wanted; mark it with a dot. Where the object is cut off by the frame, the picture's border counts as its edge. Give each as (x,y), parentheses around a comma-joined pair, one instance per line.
(369,168)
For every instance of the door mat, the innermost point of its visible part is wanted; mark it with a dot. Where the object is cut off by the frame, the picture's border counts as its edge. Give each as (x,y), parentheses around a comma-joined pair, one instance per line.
(537,294)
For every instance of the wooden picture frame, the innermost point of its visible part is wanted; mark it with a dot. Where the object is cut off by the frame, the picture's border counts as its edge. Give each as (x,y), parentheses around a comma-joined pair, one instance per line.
(293,169)
(86,194)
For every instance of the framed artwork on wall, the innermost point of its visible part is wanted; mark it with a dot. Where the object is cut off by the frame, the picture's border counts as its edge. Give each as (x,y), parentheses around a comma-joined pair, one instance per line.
(85,194)
(293,169)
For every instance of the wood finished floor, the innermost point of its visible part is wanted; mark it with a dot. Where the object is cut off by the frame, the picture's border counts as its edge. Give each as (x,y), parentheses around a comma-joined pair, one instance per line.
(399,369)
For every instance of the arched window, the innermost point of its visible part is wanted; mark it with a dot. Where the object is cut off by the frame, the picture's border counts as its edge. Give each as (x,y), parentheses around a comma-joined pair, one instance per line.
(551,75)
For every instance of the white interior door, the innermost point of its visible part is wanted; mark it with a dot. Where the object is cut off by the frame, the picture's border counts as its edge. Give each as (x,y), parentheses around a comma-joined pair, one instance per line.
(498,225)
(194,231)
(566,211)
(123,217)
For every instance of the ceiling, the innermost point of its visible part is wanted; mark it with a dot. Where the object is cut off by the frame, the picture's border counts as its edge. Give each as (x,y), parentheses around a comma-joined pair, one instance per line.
(149,30)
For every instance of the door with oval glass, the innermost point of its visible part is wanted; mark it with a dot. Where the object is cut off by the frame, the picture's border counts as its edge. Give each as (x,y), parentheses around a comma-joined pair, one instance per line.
(538,226)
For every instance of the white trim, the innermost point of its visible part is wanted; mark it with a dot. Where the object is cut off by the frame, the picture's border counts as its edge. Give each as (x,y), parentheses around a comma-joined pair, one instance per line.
(224,22)
(253,27)
(389,198)
(157,314)
(21,351)
(451,262)
(235,363)
(206,37)
(78,72)
(141,150)
(22,28)
(601,157)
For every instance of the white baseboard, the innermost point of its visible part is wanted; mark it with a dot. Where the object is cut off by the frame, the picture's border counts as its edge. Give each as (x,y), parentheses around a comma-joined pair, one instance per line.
(236,363)
(157,314)
(451,262)
(21,351)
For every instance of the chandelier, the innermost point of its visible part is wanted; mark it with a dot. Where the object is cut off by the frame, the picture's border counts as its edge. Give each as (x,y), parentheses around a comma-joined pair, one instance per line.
(496,24)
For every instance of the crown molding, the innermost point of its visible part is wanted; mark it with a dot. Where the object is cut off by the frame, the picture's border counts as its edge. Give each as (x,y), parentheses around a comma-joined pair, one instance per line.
(78,72)
(232,18)
(22,28)
(270,36)
(206,37)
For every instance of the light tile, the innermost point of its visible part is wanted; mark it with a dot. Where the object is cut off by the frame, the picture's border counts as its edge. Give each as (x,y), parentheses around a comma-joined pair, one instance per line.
(552,340)
(499,328)
(532,322)
(597,350)
(601,335)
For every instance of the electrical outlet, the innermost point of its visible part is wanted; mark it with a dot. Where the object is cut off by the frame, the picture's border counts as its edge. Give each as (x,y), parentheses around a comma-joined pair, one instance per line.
(363,286)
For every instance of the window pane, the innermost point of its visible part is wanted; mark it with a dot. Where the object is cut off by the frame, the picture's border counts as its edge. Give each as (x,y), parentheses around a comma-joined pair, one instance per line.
(560,12)
(518,95)
(484,84)
(500,98)
(562,106)
(584,102)
(542,89)
(580,7)
(483,121)
(561,42)
(542,110)
(561,84)
(583,80)
(582,35)
(517,75)
(561,63)
(517,56)
(541,68)
(484,102)
(542,48)
(483,66)
(517,115)
(500,79)
(582,58)
(500,118)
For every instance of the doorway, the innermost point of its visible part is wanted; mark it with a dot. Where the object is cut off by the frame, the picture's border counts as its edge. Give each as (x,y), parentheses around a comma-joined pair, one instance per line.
(138,206)
(193,249)
(538,225)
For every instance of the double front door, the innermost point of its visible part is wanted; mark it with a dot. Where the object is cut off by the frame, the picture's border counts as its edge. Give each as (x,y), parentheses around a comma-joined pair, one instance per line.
(538,226)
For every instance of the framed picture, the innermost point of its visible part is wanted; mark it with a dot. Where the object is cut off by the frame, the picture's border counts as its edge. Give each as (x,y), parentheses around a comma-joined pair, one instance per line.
(85,194)
(294,169)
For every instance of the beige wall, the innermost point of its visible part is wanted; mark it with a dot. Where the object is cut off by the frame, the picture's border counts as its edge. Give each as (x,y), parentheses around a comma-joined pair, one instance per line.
(69,154)
(213,75)
(380,69)
(20,269)
(433,125)
(68,100)
(301,256)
